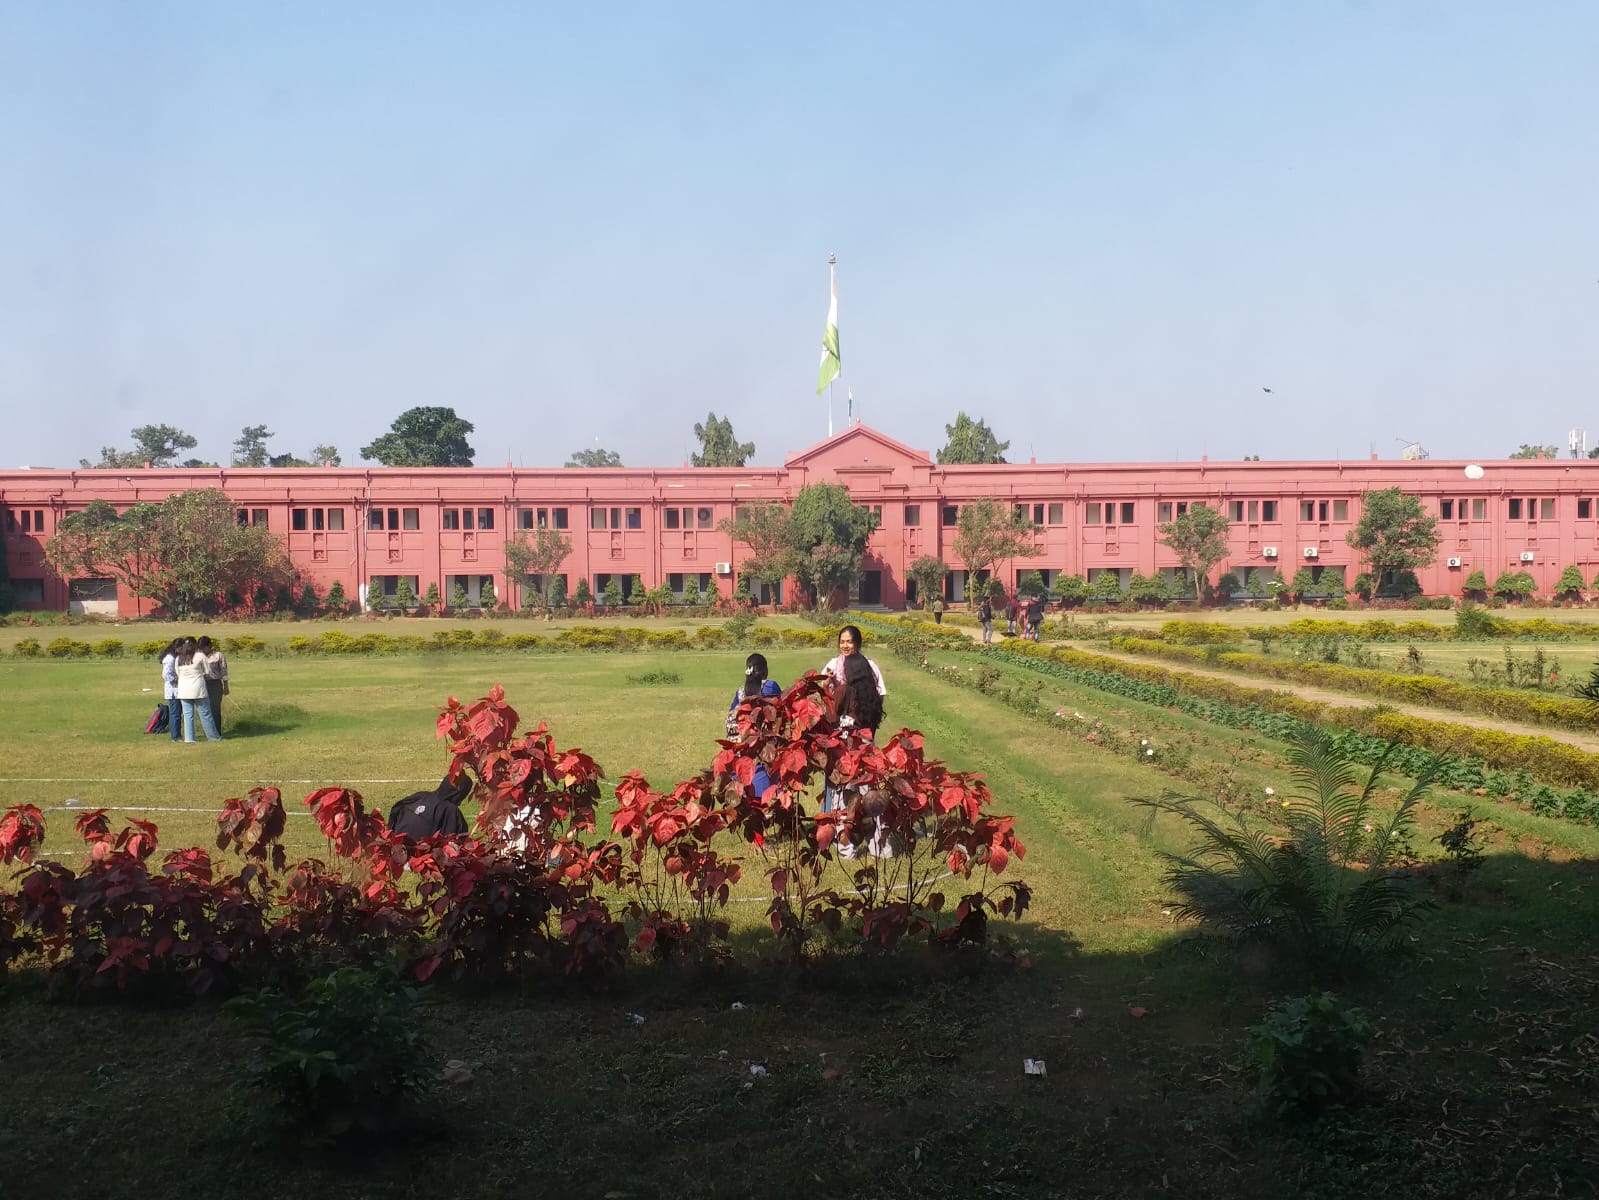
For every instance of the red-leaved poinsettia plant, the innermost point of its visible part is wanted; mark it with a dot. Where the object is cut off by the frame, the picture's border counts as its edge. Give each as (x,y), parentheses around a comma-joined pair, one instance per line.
(907,849)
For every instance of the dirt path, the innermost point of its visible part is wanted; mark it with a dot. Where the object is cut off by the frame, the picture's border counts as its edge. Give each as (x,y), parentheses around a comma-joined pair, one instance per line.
(1583,741)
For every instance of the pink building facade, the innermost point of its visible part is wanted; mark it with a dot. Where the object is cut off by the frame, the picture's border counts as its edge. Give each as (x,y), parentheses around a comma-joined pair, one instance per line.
(448,525)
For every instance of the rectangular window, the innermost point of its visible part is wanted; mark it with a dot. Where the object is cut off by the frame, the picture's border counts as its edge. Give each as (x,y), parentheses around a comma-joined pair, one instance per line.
(1307,510)
(316,518)
(374,518)
(485,518)
(450,518)
(1268,510)
(635,518)
(704,518)
(1038,514)
(468,519)
(11,520)
(1584,508)
(27,521)
(413,518)
(30,591)
(597,518)
(951,514)
(669,519)
(1546,509)
(1127,513)
(1163,511)
(297,519)
(558,518)
(1479,510)
(1057,514)
(1340,510)
(1515,508)
(1254,510)
(336,519)
(524,518)
(1235,510)
(913,516)
(1446,510)
(1091,514)
(394,519)
(1182,507)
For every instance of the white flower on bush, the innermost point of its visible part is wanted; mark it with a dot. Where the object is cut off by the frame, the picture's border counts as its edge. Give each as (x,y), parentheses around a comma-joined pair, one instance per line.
(1270,792)
(1150,752)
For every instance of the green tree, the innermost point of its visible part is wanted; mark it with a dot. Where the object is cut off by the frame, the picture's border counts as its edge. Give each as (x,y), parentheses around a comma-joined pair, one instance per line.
(741,591)
(637,594)
(310,602)
(404,594)
(458,596)
(187,552)
(486,598)
(1570,584)
(288,460)
(1146,589)
(989,531)
(424,437)
(971,442)
(541,554)
(765,529)
(1303,583)
(1528,450)
(431,598)
(691,590)
(827,539)
(157,445)
(1394,533)
(1071,590)
(1514,585)
(249,449)
(594,458)
(325,456)
(1031,584)
(338,603)
(583,596)
(1198,538)
(1476,584)
(1107,588)
(718,445)
(376,601)
(927,573)
(612,595)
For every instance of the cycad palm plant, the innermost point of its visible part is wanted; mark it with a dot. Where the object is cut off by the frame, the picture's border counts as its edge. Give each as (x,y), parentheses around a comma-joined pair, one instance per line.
(1324,893)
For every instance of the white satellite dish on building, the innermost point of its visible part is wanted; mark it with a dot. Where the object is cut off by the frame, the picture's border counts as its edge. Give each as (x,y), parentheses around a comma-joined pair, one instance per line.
(1473,471)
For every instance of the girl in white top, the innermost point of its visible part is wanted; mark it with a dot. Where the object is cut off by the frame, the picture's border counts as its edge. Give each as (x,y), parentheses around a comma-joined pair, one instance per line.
(849,642)
(192,692)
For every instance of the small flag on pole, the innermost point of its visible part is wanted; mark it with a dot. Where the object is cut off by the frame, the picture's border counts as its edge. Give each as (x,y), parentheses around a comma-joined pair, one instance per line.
(829,367)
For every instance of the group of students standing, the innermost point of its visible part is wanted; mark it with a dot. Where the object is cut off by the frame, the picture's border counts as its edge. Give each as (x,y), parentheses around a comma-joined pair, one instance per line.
(194,678)
(854,705)
(1030,616)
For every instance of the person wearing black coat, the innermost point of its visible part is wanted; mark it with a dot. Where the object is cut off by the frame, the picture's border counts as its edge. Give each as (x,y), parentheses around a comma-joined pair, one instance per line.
(424,814)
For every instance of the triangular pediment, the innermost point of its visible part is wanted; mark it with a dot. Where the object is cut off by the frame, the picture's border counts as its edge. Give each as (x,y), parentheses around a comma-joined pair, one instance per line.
(856,447)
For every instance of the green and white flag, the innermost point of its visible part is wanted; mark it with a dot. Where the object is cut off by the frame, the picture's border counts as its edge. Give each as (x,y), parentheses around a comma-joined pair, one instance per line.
(829,368)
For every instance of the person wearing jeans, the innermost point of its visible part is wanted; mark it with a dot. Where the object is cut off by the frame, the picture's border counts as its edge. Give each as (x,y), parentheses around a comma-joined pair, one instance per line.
(192,692)
(169,689)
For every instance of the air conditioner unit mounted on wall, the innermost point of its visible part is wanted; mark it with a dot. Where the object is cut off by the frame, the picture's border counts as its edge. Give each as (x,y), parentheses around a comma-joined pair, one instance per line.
(724,568)
(1527,556)
(1268,551)
(1312,552)
(1453,562)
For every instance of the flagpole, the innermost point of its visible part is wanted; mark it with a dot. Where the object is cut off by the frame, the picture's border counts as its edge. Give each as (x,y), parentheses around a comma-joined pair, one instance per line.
(829,410)
(832,278)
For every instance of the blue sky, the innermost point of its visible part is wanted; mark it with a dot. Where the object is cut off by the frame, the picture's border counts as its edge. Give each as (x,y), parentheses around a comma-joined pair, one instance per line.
(1104,228)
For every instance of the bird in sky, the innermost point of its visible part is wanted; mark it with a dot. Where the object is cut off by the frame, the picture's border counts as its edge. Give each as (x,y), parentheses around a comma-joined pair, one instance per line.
(1267,390)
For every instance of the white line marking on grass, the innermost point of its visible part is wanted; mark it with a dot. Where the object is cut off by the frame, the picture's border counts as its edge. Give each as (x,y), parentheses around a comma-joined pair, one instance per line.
(82,808)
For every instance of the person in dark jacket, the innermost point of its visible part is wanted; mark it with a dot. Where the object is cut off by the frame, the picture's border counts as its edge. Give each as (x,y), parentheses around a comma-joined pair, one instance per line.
(423,814)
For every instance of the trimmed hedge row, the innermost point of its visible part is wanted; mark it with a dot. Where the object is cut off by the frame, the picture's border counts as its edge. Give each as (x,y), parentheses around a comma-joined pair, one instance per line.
(1500,763)
(1508,705)
(337,642)
(1377,630)
(1366,744)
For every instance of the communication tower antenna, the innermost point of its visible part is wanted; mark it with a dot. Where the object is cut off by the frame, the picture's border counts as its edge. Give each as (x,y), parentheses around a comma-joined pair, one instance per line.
(1578,441)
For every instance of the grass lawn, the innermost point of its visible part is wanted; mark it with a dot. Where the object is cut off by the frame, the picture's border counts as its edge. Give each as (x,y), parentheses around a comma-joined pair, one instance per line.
(889,1079)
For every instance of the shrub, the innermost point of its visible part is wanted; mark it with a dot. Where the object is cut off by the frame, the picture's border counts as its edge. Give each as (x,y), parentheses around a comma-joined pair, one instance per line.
(375,600)
(487,599)
(458,596)
(404,594)
(63,647)
(244,644)
(346,1057)
(338,603)
(109,648)
(1324,895)
(148,649)
(1308,1052)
